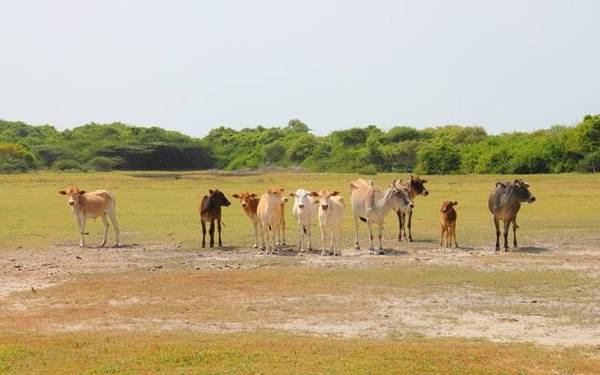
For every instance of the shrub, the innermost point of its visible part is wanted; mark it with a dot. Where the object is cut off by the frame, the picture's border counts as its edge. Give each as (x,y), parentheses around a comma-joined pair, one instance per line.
(66,165)
(102,163)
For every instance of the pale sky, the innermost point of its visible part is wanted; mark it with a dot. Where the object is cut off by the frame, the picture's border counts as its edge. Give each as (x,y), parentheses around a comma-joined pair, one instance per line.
(195,65)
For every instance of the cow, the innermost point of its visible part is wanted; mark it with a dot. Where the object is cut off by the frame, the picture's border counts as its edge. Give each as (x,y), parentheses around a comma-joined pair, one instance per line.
(210,211)
(91,205)
(270,214)
(370,204)
(504,203)
(331,215)
(249,203)
(448,223)
(416,186)
(305,212)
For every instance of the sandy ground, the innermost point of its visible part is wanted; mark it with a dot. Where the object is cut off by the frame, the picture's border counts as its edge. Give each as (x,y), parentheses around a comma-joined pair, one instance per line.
(461,312)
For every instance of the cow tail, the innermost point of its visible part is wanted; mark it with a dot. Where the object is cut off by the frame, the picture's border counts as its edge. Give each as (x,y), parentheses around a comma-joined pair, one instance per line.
(304,229)
(362,218)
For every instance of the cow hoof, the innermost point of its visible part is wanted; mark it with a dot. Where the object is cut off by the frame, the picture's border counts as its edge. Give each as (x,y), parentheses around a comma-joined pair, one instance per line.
(357,248)
(117,245)
(102,244)
(381,252)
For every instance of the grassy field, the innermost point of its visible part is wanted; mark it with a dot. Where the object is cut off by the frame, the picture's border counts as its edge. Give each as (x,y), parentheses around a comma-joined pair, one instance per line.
(164,209)
(163,304)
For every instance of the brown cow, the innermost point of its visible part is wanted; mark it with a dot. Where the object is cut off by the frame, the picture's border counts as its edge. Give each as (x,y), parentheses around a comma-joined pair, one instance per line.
(249,202)
(504,203)
(91,205)
(416,186)
(448,222)
(210,211)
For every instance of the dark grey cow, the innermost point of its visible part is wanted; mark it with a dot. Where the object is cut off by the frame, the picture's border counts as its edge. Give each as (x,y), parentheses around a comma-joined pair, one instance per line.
(504,203)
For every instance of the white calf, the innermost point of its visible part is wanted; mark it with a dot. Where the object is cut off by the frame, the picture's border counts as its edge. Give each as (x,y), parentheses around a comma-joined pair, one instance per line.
(305,212)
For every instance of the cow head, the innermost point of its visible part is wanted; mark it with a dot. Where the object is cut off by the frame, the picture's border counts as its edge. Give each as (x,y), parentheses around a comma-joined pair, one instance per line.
(277,194)
(73,194)
(245,198)
(400,196)
(521,191)
(303,198)
(325,198)
(447,205)
(218,198)
(417,185)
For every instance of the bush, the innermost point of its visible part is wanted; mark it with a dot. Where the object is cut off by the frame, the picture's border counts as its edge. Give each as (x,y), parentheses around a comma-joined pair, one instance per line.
(102,163)
(368,169)
(66,165)
(15,158)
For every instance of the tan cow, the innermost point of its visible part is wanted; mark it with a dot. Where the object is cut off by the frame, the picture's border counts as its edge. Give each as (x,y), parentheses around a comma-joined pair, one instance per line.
(91,205)
(270,214)
(249,203)
(448,223)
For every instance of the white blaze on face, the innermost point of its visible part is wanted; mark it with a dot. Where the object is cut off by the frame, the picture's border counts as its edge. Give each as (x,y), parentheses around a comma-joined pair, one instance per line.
(302,198)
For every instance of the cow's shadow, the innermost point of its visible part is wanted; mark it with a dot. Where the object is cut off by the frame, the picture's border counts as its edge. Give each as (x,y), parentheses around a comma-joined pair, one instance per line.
(530,249)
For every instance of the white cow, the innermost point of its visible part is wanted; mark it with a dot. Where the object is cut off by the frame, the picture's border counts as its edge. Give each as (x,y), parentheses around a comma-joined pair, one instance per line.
(370,204)
(305,212)
(331,215)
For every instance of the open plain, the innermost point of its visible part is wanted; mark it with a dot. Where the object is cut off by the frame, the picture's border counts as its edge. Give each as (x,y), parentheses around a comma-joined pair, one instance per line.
(161,303)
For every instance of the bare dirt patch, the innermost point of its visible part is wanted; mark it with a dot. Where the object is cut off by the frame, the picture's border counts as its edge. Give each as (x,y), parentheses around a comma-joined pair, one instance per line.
(168,287)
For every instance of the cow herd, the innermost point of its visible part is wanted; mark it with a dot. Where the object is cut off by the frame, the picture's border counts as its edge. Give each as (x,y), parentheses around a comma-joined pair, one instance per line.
(369,203)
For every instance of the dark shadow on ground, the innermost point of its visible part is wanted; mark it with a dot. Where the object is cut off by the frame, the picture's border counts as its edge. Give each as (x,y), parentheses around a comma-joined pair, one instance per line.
(530,250)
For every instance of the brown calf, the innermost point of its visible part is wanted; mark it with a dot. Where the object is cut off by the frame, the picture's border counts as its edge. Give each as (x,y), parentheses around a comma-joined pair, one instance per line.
(448,222)
(91,205)
(210,211)
(249,203)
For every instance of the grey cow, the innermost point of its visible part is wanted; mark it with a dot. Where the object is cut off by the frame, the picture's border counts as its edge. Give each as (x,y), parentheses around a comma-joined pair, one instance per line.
(504,203)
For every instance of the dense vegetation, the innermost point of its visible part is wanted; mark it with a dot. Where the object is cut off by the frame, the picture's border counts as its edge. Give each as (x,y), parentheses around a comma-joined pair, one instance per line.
(446,149)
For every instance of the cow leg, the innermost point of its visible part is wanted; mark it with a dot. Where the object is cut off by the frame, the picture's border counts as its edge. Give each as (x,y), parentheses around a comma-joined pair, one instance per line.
(299,237)
(219,230)
(309,234)
(323,246)
(356,245)
(262,246)
(379,236)
(332,243)
(203,233)
(371,246)
(337,231)
(449,236)
(115,223)
(283,230)
(442,230)
(211,233)
(410,239)
(255,234)
(105,224)
(497,225)
(515,227)
(506,229)
(81,222)
(399,213)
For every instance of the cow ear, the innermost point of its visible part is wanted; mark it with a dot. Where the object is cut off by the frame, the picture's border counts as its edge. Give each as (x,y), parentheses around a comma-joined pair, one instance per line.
(498,184)
(455,203)
(393,184)
(63,192)
(335,193)
(236,195)
(81,192)
(314,194)
(292,194)
(253,195)
(210,191)
(281,189)
(424,181)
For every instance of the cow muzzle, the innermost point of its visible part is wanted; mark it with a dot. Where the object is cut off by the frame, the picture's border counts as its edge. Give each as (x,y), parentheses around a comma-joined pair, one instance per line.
(532,199)
(243,205)
(425,193)
(71,203)
(411,205)
(324,206)
(300,206)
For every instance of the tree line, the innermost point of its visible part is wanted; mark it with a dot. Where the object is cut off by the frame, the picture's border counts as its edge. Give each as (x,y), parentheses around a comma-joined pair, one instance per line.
(366,150)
